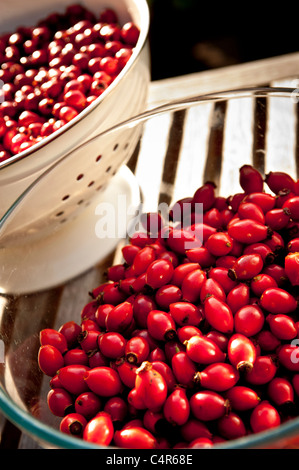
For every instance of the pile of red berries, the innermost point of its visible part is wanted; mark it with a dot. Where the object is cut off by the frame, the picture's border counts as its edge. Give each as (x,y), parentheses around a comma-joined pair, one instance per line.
(55,69)
(186,347)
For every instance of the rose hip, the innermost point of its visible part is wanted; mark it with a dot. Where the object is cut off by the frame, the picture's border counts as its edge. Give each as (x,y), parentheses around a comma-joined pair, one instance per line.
(161,325)
(248,231)
(203,350)
(73,424)
(176,408)
(99,429)
(60,402)
(50,360)
(103,381)
(208,405)
(277,300)
(263,417)
(250,179)
(218,315)
(231,426)
(242,398)
(241,352)
(135,437)
(292,267)
(185,313)
(246,267)
(88,404)
(218,377)
(183,368)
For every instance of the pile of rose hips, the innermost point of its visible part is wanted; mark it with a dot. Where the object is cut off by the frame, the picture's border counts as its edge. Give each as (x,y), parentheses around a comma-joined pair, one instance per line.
(55,69)
(188,347)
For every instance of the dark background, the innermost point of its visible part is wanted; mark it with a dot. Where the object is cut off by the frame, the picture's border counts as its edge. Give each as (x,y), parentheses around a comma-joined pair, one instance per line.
(191,35)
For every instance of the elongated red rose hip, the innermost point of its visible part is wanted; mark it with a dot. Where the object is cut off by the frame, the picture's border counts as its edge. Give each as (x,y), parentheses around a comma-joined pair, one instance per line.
(218,315)
(291,266)
(277,300)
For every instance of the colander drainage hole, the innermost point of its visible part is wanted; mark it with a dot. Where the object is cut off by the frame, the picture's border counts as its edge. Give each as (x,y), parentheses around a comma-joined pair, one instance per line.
(79,177)
(65,197)
(108,169)
(115,147)
(59,214)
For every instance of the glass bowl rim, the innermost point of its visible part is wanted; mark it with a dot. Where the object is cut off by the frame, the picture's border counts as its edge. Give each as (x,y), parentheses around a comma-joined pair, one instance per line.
(44,433)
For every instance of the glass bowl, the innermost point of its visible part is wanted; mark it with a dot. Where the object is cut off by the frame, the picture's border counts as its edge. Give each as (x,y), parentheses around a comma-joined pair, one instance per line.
(181,145)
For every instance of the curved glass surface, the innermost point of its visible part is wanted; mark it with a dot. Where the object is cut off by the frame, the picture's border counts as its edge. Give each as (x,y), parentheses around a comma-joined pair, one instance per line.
(215,134)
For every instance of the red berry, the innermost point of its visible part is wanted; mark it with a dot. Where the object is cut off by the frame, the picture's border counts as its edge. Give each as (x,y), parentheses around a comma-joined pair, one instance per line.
(249,210)
(143,259)
(73,424)
(212,287)
(186,332)
(291,267)
(242,398)
(120,317)
(249,320)
(205,195)
(159,273)
(166,371)
(76,356)
(72,378)
(117,408)
(262,372)
(59,401)
(103,381)
(55,338)
(208,405)
(261,282)
(218,315)
(218,377)
(185,313)
(150,386)
(246,267)
(112,344)
(99,429)
(231,426)
(167,295)
(282,326)
(181,271)
(137,350)
(177,408)
(278,181)
(50,360)
(264,417)
(248,231)
(238,297)
(241,352)
(278,218)
(161,325)
(195,429)
(88,404)
(250,179)
(263,200)
(277,300)
(288,356)
(192,284)
(183,368)
(203,350)
(135,437)
(280,391)
(219,244)
(201,443)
